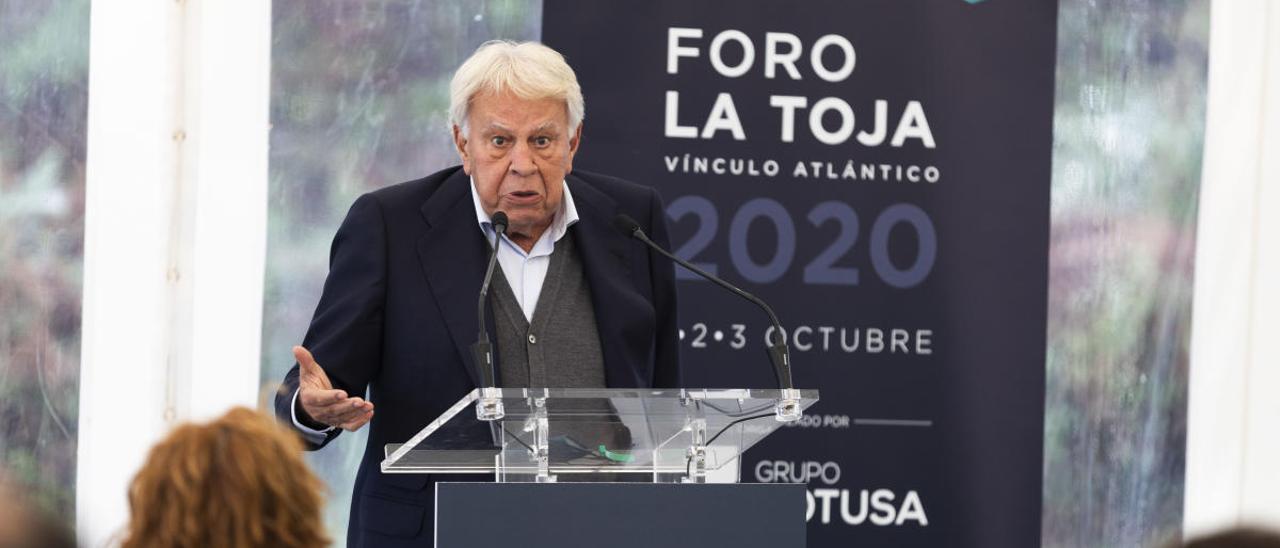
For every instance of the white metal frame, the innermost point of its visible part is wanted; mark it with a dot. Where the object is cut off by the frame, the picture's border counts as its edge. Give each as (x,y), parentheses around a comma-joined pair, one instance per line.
(1233,419)
(175,231)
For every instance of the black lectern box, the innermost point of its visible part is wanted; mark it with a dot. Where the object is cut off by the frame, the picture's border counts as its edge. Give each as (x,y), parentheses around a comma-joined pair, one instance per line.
(619,515)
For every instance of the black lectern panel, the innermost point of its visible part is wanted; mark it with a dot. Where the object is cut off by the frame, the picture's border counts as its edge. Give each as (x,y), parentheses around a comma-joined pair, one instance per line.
(619,515)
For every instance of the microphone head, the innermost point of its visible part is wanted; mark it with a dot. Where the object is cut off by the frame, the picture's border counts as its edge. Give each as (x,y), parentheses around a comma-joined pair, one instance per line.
(499,222)
(626,225)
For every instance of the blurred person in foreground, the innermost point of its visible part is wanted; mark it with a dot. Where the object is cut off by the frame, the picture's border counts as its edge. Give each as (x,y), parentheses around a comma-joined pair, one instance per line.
(237,481)
(576,303)
(1238,537)
(22,525)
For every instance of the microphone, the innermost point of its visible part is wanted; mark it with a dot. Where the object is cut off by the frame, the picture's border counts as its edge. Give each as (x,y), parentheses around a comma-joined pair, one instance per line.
(779,354)
(489,407)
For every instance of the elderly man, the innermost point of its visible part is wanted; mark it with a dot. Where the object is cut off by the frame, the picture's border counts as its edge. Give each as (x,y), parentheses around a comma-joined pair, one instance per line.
(574,304)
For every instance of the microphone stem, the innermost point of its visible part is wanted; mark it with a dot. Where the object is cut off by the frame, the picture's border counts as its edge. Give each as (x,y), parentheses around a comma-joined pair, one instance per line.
(778,353)
(484,286)
(482,350)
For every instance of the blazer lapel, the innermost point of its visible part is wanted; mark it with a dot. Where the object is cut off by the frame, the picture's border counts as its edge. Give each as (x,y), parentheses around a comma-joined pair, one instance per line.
(452,253)
(604,252)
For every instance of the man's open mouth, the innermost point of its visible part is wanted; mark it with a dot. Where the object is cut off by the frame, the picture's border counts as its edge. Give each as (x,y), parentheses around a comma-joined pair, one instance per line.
(523,197)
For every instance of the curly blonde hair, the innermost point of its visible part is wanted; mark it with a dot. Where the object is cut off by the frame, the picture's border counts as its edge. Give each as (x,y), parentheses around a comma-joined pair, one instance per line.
(237,481)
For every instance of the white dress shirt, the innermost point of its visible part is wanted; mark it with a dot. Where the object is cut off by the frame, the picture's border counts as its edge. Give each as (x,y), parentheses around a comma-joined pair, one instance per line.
(524,271)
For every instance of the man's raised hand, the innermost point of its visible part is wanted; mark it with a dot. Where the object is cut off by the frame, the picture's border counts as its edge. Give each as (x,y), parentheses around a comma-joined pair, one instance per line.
(322,402)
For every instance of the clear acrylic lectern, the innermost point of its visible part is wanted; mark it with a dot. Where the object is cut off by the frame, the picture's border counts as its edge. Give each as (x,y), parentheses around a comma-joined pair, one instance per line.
(576,434)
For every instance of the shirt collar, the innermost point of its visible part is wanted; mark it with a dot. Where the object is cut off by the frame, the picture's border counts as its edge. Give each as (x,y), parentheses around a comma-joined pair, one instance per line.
(564,218)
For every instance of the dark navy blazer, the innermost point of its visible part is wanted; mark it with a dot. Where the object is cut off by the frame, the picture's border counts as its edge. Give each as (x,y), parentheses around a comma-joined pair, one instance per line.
(398,315)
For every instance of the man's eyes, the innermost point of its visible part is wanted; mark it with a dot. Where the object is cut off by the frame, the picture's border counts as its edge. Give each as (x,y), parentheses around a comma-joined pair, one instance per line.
(540,141)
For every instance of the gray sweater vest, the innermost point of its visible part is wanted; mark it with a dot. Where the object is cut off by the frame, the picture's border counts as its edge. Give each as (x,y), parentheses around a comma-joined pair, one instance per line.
(560,348)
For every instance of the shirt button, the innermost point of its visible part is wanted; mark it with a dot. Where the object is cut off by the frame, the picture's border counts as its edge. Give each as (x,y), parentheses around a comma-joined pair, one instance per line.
(533,339)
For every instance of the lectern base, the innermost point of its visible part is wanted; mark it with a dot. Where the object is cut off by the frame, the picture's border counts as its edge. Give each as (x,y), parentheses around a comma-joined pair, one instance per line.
(619,515)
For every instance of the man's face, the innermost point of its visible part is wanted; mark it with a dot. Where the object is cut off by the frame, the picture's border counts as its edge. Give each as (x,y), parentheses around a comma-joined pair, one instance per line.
(518,151)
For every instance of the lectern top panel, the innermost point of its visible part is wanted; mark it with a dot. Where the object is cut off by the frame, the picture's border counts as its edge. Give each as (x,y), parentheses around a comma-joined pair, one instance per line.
(593,431)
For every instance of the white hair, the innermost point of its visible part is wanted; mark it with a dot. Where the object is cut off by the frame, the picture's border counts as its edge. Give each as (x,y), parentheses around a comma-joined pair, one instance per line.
(528,70)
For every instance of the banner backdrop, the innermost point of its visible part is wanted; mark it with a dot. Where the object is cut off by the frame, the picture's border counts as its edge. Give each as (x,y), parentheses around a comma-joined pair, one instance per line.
(879,171)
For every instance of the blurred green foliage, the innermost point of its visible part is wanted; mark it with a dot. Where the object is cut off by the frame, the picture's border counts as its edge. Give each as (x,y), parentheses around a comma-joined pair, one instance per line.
(44,61)
(1128,136)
